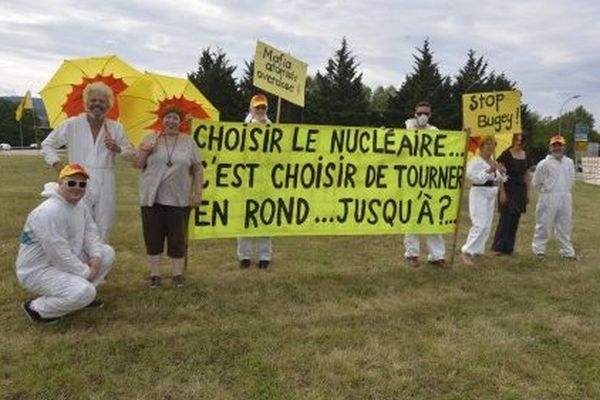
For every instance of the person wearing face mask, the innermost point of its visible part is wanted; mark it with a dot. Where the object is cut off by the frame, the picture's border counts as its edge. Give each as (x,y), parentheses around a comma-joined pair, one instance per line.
(61,257)
(92,140)
(553,178)
(435,242)
(257,115)
(170,183)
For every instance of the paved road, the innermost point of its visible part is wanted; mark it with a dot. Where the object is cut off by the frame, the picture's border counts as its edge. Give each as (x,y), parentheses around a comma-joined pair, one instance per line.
(24,152)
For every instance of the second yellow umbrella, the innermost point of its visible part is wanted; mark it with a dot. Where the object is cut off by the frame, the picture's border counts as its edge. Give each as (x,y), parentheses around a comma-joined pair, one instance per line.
(143,102)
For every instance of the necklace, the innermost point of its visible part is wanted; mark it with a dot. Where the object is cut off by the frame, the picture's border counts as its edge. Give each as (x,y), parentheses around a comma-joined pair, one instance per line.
(170,154)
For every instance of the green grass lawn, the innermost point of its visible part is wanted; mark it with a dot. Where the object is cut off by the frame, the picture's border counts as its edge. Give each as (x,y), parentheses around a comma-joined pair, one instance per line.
(333,318)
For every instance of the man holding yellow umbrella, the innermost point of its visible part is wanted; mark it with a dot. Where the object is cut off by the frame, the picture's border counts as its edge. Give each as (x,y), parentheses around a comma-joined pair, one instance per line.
(92,140)
(80,100)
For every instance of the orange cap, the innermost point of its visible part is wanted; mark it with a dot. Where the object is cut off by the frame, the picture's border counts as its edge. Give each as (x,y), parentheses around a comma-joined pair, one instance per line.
(259,100)
(557,139)
(73,169)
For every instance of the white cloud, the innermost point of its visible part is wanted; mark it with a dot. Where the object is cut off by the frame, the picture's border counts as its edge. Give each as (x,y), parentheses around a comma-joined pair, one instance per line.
(551,48)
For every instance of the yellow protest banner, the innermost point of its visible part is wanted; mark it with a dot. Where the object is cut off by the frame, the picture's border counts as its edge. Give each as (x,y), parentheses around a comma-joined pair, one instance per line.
(279,73)
(492,113)
(286,179)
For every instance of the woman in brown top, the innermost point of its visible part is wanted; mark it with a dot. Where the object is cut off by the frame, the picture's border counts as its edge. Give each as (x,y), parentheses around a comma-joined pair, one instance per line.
(512,195)
(171,167)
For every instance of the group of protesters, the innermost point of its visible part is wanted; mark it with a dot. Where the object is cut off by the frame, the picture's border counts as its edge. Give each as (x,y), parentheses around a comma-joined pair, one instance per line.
(64,253)
(506,179)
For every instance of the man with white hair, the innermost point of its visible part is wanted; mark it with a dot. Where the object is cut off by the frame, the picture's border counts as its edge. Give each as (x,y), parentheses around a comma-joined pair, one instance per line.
(92,140)
(554,177)
(61,258)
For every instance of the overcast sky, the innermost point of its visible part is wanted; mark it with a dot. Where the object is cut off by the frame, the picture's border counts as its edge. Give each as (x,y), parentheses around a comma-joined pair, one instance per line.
(551,48)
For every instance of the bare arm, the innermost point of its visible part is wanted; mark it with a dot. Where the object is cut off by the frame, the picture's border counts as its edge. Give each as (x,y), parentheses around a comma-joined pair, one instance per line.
(198,176)
(140,156)
(501,188)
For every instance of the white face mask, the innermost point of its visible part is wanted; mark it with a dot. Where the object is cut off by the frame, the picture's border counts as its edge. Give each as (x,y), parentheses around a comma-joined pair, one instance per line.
(422,119)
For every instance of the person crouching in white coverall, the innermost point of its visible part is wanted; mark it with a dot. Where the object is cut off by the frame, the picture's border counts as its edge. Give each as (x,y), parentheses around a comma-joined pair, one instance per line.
(485,175)
(61,257)
(92,140)
(435,243)
(256,115)
(554,177)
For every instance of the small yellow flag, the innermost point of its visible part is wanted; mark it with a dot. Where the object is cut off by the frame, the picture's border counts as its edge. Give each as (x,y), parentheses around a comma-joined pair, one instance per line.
(25,104)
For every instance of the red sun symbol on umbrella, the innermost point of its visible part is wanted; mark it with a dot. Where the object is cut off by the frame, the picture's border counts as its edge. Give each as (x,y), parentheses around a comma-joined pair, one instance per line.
(189,108)
(474,144)
(74,104)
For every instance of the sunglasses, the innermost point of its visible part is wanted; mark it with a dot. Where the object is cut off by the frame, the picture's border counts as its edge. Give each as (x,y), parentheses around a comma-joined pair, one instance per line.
(422,113)
(82,184)
(261,107)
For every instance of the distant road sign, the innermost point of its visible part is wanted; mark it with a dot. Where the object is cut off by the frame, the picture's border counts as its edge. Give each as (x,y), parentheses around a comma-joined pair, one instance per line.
(581,132)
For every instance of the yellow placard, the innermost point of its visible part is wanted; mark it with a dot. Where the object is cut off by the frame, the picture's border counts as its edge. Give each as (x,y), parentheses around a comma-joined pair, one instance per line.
(492,113)
(581,145)
(279,73)
(286,179)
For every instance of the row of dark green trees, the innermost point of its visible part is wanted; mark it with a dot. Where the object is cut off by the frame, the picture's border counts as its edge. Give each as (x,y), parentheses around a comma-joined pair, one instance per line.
(338,96)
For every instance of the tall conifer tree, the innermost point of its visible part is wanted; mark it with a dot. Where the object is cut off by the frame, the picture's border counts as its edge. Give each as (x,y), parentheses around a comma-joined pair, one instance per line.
(338,96)
(425,83)
(214,78)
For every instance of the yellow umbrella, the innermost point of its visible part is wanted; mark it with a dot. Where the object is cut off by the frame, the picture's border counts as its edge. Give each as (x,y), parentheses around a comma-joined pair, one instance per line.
(143,102)
(62,95)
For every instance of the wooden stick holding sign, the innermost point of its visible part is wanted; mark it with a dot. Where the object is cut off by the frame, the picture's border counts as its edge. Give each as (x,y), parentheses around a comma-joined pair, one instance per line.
(278,109)
(460,196)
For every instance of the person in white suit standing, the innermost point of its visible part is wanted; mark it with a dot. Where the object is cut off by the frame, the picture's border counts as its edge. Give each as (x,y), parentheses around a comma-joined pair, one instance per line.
(435,242)
(92,141)
(256,115)
(485,175)
(553,178)
(61,258)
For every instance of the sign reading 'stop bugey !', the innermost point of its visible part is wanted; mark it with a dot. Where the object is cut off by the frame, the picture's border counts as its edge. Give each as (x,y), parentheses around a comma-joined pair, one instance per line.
(492,113)
(279,73)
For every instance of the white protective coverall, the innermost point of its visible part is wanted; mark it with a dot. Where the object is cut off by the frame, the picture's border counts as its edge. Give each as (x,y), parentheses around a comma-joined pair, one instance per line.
(482,204)
(554,179)
(98,161)
(435,243)
(264,244)
(57,241)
